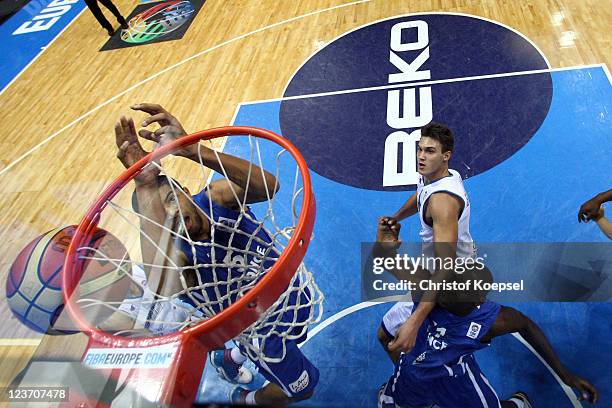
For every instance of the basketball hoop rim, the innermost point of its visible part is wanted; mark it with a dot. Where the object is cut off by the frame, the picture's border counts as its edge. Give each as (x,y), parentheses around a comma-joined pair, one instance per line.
(261,297)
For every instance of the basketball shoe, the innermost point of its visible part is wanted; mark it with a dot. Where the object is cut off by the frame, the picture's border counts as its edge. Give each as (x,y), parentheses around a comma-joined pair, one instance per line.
(238,396)
(228,369)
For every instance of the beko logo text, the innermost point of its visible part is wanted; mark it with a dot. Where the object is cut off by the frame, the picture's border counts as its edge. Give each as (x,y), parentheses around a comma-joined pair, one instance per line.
(403,111)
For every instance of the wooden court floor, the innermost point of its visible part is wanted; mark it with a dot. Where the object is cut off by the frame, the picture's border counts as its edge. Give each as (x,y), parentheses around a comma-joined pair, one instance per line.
(57,152)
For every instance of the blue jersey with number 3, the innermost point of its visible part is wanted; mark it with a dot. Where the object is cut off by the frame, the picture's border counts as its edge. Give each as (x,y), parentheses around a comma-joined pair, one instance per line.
(445,338)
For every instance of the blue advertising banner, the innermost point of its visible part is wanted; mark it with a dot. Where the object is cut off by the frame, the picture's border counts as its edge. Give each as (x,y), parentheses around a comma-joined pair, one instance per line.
(26,34)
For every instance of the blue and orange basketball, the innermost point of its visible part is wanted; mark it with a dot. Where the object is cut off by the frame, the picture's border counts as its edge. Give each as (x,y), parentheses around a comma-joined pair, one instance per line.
(33,288)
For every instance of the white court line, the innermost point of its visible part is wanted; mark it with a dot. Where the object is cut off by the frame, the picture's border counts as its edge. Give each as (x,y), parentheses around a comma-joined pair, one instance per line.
(345,312)
(167,69)
(427,13)
(233,121)
(567,390)
(19,342)
(44,48)
(426,83)
(607,71)
(363,305)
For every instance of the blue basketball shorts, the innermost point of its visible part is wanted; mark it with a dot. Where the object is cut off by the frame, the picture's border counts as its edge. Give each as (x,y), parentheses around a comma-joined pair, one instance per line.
(294,374)
(467,387)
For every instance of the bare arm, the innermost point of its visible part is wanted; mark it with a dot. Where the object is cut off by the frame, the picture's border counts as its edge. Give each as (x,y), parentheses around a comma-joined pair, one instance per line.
(444,211)
(258,186)
(408,209)
(246,179)
(604,224)
(605,196)
(589,210)
(155,241)
(510,320)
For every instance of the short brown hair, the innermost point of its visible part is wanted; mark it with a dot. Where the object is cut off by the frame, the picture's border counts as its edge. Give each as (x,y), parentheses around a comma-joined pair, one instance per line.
(441,133)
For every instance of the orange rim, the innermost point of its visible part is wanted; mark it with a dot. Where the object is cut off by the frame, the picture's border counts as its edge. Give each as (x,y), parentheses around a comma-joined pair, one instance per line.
(238,316)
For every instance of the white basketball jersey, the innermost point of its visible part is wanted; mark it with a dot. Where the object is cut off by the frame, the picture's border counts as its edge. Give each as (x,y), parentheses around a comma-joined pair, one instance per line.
(452,184)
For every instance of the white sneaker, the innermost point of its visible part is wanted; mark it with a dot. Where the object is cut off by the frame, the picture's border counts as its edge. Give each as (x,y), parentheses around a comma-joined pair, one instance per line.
(245,376)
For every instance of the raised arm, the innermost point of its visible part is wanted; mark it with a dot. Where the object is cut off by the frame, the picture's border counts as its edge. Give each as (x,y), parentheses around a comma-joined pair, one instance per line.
(510,320)
(244,178)
(259,186)
(156,242)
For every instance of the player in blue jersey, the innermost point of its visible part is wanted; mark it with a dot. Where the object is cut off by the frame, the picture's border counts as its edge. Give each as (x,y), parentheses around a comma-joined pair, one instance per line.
(441,368)
(237,241)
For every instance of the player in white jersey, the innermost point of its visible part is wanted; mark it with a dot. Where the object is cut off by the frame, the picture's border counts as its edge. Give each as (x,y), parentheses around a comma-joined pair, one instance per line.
(451,184)
(444,211)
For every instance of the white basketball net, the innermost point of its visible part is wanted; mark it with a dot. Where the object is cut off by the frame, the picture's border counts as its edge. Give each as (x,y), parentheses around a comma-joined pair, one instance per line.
(231,277)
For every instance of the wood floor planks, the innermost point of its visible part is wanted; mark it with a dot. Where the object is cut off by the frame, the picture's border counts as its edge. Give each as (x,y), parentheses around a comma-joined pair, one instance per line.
(55,184)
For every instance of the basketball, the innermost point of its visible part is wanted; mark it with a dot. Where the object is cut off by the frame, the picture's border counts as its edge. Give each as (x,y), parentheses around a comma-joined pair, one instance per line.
(33,288)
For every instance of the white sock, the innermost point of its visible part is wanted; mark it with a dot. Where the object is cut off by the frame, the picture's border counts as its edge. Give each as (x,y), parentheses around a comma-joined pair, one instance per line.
(250,398)
(237,356)
(518,402)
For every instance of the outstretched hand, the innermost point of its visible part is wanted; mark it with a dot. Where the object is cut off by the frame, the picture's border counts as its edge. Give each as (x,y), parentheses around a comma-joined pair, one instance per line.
(169,131)
(587,391)
(130,150)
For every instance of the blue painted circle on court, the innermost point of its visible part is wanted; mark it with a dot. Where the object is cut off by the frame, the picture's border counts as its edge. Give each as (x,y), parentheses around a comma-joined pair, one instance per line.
(342,134)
